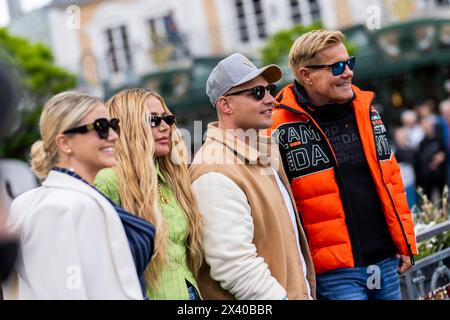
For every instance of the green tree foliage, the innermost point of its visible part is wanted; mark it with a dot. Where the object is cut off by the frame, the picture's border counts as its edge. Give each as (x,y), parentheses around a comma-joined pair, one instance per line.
(277,47)
(40,79)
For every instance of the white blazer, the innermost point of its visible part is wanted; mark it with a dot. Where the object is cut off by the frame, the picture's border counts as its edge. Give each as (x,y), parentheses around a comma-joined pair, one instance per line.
(73,245)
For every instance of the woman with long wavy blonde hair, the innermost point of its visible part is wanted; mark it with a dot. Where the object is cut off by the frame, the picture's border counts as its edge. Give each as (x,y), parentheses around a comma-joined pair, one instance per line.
(151,178)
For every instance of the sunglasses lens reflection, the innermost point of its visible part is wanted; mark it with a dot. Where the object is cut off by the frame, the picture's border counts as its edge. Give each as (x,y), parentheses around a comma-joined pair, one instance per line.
(170,120)
(102,127)
(272,89)
(339,67)
(260,91)
(351,63)
(155,121)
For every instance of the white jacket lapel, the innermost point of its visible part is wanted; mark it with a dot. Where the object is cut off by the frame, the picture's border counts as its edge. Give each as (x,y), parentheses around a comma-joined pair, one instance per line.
(118,241)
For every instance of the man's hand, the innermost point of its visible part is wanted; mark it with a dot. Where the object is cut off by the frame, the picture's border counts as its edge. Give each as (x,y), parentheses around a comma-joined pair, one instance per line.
(404,265)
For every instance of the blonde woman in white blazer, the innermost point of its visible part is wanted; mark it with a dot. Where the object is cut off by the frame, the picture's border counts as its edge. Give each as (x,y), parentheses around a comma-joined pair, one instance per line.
(75,243)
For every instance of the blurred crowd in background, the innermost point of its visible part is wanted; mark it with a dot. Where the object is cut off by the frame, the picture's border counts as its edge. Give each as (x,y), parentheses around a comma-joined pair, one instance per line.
(422,148)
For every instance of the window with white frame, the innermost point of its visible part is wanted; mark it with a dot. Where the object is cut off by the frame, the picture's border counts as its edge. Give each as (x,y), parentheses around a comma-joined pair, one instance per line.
(304,11)
(314,10)
(250,19)
(443,2)
(242,22)
(296,13)
(118,49)
(260,20)
(431,4)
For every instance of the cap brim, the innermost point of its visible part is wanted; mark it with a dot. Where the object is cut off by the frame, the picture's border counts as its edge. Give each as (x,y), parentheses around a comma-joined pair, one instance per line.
(272,73)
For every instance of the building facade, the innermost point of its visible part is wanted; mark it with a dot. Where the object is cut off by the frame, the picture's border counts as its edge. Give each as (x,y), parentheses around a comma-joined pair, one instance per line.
(111,44)
(114,43)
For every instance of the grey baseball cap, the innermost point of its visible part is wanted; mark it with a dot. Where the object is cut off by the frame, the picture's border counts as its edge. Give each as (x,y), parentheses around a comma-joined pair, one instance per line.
(235,70)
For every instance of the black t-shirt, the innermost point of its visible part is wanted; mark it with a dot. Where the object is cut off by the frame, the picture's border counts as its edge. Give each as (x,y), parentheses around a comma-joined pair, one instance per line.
(339,124)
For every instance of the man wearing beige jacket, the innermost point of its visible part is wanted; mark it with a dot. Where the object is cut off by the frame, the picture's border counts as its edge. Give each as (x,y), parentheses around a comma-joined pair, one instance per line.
(255,246)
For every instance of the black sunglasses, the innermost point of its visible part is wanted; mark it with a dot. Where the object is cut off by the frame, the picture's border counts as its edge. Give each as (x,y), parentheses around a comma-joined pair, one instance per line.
(101,126)
(155,121)
(258,92)
(337,68)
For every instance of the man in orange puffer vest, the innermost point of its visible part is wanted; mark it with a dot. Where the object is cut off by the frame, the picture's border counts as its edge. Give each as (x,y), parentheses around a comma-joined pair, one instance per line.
(344,176)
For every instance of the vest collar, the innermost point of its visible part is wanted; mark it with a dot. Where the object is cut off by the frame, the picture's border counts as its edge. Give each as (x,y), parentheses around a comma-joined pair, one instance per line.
(294,97)
(259,151)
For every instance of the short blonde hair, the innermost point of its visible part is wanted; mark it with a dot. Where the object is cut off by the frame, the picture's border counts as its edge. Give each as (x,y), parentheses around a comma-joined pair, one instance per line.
(309,44)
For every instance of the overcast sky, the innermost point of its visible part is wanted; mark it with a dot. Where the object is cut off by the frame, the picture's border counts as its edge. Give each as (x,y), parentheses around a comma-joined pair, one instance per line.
(27,5)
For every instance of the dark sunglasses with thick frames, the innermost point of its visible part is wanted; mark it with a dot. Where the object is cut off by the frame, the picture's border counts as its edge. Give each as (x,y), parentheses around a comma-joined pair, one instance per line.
(155,120)
(101,126)
(258,92)
(337,68)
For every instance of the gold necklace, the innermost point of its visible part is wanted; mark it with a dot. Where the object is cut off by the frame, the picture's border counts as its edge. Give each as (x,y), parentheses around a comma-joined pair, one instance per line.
(162,198)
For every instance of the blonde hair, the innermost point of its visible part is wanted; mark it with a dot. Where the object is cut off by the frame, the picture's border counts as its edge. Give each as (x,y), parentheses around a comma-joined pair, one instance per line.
(136,171)
(138,179)
(309,44)
(175,171)
(63,111)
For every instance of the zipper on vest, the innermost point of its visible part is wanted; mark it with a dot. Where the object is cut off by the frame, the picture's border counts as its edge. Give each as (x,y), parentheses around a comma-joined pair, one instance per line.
(350,223)
(408,246)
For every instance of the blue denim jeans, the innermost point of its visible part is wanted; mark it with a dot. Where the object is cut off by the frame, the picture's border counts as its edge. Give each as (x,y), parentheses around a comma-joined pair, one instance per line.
(193,294)
(377,282)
